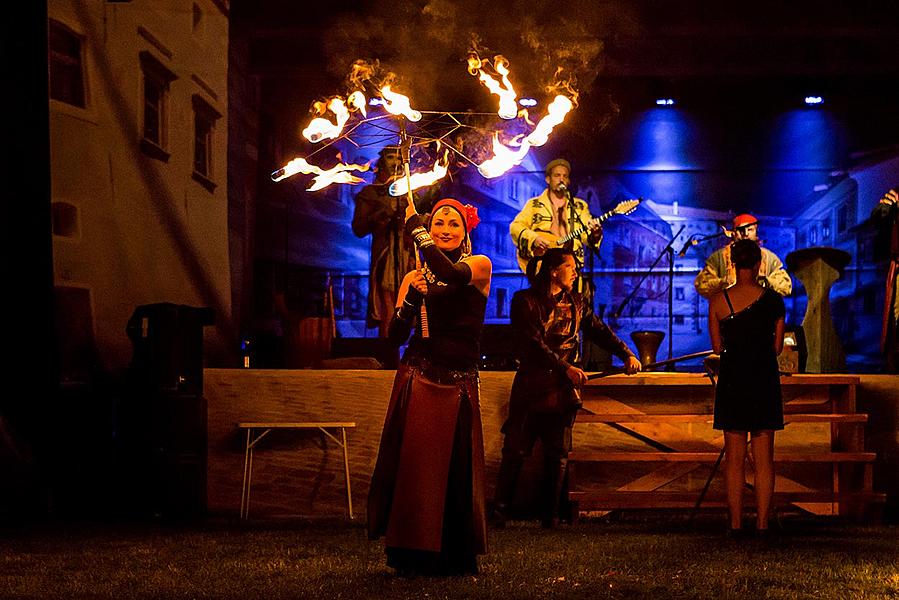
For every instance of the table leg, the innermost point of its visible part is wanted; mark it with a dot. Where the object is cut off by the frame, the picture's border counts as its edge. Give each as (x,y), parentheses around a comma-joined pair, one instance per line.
(346,471)
(247,476)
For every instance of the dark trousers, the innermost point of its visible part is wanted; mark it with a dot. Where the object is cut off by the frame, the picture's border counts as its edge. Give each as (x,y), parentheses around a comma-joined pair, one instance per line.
(554,432)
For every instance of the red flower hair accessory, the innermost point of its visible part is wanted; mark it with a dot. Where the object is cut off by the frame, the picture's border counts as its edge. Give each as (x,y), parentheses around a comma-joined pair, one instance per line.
(468,212)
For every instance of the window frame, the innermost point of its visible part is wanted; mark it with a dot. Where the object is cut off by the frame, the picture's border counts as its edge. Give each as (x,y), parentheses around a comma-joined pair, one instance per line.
(81,63)
(161,76)
(206,114)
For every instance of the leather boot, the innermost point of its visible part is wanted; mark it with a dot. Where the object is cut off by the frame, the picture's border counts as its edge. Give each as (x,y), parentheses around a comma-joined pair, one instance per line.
(554,474)
(506,482)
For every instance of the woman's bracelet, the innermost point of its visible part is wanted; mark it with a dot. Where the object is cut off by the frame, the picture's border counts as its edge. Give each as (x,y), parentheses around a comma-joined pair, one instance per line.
(422,238)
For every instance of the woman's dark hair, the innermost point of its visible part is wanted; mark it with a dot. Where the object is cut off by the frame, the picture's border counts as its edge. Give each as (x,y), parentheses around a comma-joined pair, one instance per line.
(745,254)
(540,268)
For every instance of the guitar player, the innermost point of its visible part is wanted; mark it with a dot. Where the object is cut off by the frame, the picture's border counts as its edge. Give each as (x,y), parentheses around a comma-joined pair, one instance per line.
(552,215)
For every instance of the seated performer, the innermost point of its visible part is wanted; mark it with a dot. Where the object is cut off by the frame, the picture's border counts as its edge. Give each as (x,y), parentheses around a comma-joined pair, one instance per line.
(719,271)
(427,490)
(546,320)
(746,326)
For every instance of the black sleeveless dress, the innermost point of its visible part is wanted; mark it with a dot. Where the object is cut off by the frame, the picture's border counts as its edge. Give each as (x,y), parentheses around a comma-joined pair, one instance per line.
(748,396)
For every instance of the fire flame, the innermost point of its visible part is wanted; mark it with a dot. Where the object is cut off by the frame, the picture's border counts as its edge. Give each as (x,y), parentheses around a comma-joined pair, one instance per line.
(398,104)
(338,174)
(508,108)
(504,157)
(322,129)
(357,100)
(558,108)
(495,77)
(419,180)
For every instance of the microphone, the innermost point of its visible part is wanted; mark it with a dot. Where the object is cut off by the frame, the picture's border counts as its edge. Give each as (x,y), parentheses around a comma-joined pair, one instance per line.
(563,189)
(690,242)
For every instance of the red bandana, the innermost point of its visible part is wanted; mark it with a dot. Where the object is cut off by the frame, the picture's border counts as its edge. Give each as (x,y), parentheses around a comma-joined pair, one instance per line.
(469,213)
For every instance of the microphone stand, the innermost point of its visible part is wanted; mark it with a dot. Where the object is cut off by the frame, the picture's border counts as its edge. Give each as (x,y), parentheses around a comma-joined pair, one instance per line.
(594,252)
(587,273)
(669,250)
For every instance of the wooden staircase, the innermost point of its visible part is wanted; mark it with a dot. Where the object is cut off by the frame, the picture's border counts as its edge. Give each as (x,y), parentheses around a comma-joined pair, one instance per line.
(654,430)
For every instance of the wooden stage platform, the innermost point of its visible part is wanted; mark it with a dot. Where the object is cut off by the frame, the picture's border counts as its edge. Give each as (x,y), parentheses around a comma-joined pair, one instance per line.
(641,442)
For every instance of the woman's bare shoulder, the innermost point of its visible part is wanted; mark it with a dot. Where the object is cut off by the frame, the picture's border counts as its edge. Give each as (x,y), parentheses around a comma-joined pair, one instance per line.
(716,302)
(479,260)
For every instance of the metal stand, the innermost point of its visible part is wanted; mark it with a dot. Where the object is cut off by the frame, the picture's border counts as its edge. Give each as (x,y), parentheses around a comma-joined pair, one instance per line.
(669,250)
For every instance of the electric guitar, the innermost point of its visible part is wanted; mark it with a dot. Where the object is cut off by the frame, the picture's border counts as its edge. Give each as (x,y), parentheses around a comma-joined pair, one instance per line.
(622,208)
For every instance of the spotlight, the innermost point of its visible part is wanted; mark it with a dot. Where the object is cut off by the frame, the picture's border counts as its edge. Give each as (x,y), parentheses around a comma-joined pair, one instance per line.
(527,102)
(814,100)
(665,101)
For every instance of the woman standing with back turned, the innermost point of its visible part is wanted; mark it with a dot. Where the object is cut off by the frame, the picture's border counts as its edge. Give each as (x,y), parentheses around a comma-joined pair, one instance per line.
(746,324)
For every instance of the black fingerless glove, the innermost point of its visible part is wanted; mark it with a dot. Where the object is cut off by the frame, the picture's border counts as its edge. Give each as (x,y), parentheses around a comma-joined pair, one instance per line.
(409,308)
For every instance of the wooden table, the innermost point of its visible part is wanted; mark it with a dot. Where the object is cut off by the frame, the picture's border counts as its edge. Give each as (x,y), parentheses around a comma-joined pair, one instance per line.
(257,431)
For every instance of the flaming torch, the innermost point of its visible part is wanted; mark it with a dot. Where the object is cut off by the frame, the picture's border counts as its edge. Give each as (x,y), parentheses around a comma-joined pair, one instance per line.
(322,129)
(398,104)
(558,108)
(508,109)
(504,157)
(338,174)
(419,180)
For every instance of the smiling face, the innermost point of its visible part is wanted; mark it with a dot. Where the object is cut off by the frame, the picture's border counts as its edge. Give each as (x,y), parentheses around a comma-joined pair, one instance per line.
(447,229)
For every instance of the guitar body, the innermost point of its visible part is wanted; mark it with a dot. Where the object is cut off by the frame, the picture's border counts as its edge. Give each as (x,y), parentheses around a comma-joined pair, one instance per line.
(551,240)
(623,208)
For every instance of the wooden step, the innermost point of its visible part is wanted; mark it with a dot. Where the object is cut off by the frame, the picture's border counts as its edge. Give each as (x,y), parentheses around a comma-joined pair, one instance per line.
(820,457)
(611,499)
(695,418)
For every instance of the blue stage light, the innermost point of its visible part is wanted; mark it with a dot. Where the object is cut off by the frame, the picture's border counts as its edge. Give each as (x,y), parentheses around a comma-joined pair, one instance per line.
(814,100)
(665,101)
(527,102)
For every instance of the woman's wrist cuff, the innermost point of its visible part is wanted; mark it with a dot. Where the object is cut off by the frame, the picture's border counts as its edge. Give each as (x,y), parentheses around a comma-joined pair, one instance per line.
(422,238)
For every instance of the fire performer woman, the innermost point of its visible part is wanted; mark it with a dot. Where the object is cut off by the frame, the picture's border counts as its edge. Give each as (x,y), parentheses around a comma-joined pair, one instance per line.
(746,324)
(427,490)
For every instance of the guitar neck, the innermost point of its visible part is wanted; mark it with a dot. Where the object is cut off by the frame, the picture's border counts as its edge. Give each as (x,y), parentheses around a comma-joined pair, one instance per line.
(593,223)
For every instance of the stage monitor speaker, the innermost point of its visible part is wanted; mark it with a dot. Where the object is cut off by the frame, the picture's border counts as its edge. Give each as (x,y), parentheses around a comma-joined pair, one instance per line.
(168,347)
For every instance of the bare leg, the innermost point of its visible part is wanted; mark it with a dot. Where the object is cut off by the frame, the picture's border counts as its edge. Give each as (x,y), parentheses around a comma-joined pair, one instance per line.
(734,474)
(763,455)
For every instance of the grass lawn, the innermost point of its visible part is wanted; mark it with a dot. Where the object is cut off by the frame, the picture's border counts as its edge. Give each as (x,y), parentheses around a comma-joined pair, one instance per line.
(662,558)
